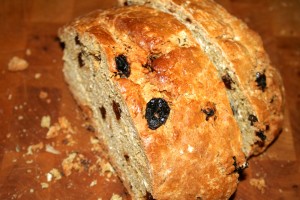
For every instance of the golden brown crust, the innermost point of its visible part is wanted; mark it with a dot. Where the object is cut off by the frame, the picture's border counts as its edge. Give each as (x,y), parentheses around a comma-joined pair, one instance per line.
(191,155)
(243,49)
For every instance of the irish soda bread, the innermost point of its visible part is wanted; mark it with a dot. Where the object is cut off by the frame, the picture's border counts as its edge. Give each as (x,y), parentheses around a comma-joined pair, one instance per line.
(180,92)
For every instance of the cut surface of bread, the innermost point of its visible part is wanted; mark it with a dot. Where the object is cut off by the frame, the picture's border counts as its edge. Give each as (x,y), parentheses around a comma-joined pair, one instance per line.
(175,115)
(253,86)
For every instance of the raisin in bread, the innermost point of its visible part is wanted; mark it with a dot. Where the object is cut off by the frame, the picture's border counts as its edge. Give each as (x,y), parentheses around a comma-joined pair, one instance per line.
(254,87)
(162,104)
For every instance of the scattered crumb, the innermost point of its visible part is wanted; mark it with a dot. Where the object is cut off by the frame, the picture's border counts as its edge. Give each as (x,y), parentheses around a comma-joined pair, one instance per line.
(106,169)
(49,177)
(29,171)
(116,197)
(29,161)
(50,149)
(96,147)
(17,64)
(280,190)
(9,97)
(48,101)
(20,117)
(43,95)
(14,160)
(8,135)
(93,183)
(17,148)
(31,190)
(258,183)
(28,52)
(74,161)
(99,198)
(35,147)
(45,122)
(55,174)
(53,131)
(37,75)
(44,185)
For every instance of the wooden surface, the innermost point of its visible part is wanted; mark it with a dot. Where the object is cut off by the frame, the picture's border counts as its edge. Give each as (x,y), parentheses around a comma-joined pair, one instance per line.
(31,26)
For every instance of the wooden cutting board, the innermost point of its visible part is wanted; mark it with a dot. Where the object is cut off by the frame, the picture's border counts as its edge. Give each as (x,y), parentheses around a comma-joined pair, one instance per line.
(67,162)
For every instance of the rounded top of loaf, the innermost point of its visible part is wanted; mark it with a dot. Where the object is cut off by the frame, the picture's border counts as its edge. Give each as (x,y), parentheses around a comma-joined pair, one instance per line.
(197,151)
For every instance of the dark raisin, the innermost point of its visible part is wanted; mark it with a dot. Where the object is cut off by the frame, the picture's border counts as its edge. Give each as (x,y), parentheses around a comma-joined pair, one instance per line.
(267,127)
(239,169)
(103,112)
(117,110)
(252,119)
(157,112)
(126,157)
(210,111)
(125,3)
(149,196)
(77,41)
(80,60)
(260,143)
(61,44)
(261,135)
(227,81)
(188,20)
(123,66)
(261,81)
(90,128)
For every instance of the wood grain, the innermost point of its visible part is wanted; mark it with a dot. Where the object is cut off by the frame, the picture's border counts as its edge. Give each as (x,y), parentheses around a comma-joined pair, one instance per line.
(32,26)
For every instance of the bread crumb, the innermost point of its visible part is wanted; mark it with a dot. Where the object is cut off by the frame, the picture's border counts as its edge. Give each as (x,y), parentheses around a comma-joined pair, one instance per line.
(28,52)
(106,168)
(67,163)
(93,183)
(29,161)
(49,177)
(37,75)
(31,190)
(43,95)
(53,131)
(17,64)
(55,174)
(20,117)
(50,149)
(34,147)
(9,97)
(17,148)
(258,183)
(44,185)
(115,197)
(45,122)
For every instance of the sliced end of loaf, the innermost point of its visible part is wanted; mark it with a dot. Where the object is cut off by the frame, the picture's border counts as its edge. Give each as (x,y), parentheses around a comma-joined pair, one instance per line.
(86,71)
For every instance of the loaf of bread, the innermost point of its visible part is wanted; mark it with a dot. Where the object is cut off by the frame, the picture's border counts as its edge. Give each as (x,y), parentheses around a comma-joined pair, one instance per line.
(180,92)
